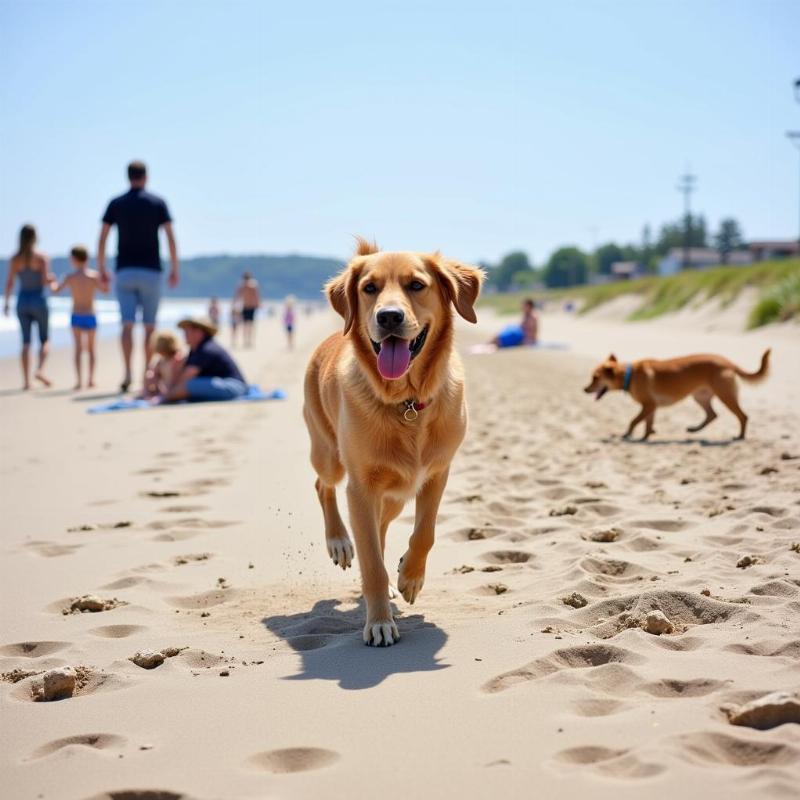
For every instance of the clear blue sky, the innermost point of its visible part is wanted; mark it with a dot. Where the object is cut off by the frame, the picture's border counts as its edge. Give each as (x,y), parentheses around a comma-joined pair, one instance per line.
(474,127)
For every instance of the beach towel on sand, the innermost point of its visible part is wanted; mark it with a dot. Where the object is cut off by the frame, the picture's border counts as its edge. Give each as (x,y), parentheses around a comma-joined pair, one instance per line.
(254,394)
(480,349)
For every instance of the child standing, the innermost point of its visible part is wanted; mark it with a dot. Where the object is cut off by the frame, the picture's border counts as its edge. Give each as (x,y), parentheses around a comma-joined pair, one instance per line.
(82,283)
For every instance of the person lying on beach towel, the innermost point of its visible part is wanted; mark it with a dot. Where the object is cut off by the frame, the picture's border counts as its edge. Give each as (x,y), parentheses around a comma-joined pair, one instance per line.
(526,332)
(209,372)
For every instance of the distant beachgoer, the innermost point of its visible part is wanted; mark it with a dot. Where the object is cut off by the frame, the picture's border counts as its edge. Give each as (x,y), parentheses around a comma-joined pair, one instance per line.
(169,356)
(524,333)
(138,216)
(33,270)
(249,296)
(213,311)
(289,320)
(209,372)
(236,319)
(82,283)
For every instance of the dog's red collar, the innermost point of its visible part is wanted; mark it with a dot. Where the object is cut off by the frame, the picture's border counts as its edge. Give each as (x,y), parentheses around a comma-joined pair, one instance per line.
(413,407)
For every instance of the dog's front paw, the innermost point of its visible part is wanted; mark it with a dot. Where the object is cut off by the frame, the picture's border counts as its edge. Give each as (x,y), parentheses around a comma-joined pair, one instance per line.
(410,580)
(341,551)
(381,632)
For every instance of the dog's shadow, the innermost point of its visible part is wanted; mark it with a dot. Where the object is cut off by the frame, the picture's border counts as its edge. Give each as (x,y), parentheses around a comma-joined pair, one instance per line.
(329,642)
(663,442)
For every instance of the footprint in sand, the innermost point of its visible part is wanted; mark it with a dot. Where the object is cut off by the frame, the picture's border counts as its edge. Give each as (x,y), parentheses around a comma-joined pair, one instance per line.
(214,597)
(70,744)
(293,759)
(714,749)
(579,657)
(666,525)
(190,522)
(508,557)
(475,534)
(183,509)
(32,649)
(608,618)
(674,688)
(89,682)
(310,642)
(616,763)
(116,631)
(598,706)
(175,536)
(52,549)
(141,794)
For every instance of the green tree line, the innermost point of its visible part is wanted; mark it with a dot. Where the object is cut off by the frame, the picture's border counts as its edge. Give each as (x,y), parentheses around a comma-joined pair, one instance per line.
(571,266)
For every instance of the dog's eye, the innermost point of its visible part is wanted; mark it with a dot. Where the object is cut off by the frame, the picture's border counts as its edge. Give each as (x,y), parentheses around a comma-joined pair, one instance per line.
(369,288)
(416,286)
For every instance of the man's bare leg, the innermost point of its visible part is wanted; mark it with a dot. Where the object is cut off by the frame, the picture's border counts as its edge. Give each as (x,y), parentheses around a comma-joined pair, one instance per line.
(148,350)
(127,350)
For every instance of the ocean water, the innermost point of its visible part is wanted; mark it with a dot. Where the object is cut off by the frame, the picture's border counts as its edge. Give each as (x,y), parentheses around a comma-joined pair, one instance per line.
(108,323)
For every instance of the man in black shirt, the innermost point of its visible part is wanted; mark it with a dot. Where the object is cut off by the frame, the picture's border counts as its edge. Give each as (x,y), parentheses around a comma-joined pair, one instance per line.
(209,372)
(138,216)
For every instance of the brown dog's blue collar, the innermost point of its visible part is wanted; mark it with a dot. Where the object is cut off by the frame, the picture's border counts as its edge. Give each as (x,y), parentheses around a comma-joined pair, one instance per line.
(626,383)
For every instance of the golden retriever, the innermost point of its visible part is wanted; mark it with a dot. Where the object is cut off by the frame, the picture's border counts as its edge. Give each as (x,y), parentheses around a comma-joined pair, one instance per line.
(384,403)
(655,383)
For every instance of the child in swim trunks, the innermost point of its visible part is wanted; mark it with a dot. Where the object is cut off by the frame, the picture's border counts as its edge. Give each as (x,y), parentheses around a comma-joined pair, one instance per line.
(167,363)
(82,284)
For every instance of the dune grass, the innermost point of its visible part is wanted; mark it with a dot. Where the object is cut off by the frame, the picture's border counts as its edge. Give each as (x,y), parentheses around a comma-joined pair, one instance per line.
(777,303)
(779,282)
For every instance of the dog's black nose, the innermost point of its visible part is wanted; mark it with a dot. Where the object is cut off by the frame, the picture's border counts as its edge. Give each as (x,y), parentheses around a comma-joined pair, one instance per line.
(390,318)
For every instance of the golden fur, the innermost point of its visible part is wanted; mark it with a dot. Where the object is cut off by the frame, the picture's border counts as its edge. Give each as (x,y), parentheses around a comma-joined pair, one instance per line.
(655,383)
(357,420)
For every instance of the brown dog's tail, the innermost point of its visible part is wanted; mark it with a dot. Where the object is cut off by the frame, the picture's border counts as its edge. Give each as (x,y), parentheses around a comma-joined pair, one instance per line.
(754,377)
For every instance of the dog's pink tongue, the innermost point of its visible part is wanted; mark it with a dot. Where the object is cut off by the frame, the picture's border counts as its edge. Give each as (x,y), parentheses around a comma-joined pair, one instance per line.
(394,358)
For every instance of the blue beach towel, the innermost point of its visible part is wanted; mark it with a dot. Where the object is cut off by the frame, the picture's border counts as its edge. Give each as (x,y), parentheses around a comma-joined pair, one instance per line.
(254,395)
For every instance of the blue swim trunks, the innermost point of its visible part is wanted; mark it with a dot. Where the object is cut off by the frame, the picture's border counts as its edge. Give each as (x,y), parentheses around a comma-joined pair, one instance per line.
(86,322)
(511,336)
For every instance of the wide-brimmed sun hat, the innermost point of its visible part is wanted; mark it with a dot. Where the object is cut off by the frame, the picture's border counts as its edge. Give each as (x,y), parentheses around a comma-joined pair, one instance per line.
(203,323)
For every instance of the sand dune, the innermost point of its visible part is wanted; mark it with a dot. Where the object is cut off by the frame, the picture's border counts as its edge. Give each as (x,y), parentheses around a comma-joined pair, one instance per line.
(525,668)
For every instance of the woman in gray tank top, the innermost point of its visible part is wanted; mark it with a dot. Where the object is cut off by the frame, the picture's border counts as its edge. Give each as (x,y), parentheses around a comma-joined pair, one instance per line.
(32,269)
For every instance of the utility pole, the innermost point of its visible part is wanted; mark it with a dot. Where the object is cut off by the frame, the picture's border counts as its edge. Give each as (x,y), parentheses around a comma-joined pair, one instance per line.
(686,185)
(794,138)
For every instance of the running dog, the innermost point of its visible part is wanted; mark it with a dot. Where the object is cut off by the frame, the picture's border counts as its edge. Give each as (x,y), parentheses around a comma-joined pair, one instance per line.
(384,403)
(655,383)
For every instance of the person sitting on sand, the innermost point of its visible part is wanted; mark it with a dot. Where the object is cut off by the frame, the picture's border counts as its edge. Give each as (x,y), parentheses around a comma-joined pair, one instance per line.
(209,372)
(32,268)
(525,333)
(166,364)
(82,283)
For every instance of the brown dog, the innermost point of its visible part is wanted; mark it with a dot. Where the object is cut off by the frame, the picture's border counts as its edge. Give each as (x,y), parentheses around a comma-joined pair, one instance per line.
(655,383)
(384,403)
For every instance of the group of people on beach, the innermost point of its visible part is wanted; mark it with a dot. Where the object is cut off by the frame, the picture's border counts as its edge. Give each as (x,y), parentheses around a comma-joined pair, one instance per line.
(202,369)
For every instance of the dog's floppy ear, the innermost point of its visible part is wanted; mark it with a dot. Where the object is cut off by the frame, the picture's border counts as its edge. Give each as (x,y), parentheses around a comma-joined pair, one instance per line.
(342,293)
(461,284)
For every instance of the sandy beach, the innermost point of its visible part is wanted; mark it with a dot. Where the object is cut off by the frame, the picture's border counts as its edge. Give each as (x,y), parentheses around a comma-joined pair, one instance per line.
(199,529)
